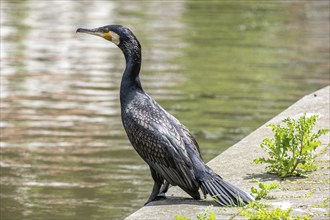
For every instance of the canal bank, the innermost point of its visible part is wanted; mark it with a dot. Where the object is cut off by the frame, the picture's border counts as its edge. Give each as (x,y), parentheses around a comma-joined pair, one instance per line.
(306,196)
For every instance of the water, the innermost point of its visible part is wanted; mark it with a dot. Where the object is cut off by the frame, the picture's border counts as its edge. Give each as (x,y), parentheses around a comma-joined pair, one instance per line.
(222,67)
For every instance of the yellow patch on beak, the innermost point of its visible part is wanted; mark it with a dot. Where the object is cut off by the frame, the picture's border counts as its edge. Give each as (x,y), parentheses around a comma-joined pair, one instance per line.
(112,36)
(107,36)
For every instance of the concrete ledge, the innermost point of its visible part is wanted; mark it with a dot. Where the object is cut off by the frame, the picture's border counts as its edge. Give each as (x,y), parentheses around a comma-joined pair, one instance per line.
(304,195)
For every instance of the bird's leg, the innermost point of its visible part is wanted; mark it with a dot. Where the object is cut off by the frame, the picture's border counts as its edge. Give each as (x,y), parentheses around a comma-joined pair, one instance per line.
(154,193)
(163,190)
(156,188)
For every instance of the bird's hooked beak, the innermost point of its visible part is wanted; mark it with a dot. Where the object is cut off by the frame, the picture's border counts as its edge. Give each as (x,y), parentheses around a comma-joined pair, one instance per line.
(101,32)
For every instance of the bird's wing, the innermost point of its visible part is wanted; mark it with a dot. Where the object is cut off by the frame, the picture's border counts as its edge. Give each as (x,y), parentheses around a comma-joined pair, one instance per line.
(160,142)
(186,135)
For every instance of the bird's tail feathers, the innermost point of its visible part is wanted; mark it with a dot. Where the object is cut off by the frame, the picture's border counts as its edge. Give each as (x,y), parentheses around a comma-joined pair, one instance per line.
(224,192)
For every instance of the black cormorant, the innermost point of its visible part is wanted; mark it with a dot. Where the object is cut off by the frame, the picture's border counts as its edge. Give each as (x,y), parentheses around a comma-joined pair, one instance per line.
(165,144)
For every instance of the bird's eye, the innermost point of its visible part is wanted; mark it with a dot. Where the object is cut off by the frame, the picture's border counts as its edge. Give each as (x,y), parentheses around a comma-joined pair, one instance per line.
(106,29)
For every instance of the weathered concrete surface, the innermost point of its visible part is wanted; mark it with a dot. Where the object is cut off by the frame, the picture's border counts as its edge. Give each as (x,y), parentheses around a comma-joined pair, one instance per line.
(305,195)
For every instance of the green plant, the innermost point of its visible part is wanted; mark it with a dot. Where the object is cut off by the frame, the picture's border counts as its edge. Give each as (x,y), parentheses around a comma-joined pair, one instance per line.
(256,211)
(291,149)
(263,190)
(201,216)
(323,204)
(179,217)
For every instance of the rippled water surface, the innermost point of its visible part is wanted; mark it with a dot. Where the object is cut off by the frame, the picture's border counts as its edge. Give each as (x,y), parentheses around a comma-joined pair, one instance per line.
(222,67)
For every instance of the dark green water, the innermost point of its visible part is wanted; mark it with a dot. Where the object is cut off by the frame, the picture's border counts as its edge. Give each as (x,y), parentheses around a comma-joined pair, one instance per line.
(222,67)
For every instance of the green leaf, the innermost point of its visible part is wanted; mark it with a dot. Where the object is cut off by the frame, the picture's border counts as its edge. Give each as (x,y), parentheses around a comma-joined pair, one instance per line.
(261,186)
(212,216)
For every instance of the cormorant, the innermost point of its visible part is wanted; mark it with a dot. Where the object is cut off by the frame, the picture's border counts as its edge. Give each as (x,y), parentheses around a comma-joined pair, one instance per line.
(165,144)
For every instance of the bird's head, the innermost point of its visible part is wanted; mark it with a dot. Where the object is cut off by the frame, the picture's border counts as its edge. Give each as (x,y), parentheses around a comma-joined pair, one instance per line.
(117,34)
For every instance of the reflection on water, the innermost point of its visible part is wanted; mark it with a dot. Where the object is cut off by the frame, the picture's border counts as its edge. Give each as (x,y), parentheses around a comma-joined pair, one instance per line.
(222,68)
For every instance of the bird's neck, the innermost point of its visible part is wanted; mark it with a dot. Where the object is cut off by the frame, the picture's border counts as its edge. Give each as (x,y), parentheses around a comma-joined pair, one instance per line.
(130,82)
